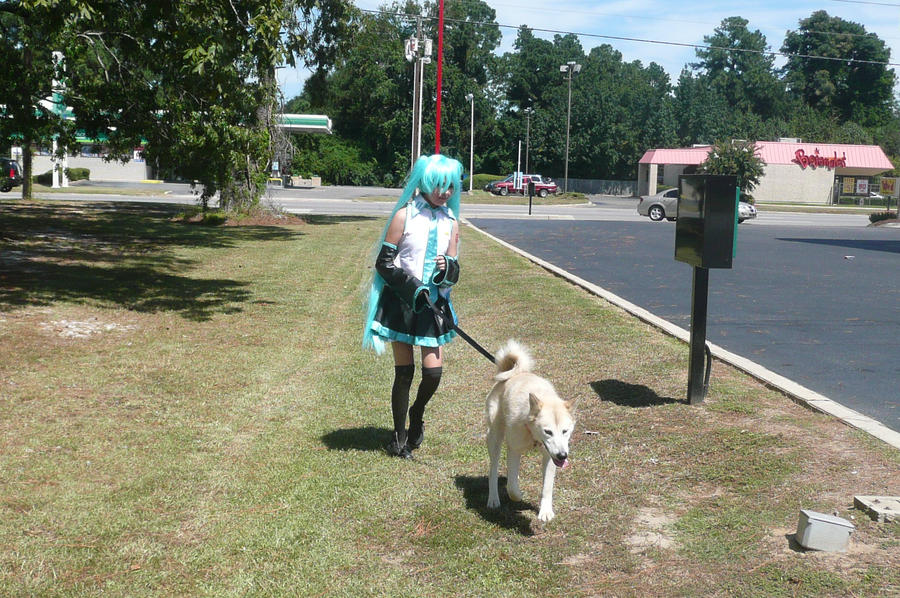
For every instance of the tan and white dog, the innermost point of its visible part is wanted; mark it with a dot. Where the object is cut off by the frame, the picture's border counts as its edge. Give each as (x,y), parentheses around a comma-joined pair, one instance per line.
(524,409)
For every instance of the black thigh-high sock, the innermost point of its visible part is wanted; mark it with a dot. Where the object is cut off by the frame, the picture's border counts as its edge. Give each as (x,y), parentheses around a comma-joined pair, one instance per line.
(431,377)
(403,376)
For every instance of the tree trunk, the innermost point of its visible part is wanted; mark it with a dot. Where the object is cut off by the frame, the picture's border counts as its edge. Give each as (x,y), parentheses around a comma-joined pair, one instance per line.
(26,169)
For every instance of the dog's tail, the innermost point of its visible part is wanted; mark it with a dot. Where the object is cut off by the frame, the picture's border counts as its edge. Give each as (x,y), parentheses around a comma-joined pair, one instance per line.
(512,359)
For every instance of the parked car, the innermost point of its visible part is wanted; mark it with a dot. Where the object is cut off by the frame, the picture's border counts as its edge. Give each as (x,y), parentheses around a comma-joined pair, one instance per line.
(746,211)
(665,205)
(662,205)
(10,174)
(542,187)
(490,186)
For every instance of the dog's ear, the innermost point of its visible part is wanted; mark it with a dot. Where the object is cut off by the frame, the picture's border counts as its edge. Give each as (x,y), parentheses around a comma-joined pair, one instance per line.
(534,402)
(570,405)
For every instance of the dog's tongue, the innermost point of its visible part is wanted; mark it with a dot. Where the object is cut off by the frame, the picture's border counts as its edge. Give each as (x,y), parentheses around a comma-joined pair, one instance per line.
(562,465)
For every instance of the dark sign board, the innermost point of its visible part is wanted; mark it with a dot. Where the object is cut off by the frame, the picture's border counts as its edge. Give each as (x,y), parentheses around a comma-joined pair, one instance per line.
(707,220)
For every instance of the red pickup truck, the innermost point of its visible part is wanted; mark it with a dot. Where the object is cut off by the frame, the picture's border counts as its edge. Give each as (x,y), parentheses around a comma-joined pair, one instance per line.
(542,186)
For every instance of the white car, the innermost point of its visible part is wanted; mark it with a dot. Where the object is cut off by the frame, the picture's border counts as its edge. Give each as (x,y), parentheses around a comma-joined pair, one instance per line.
(746,211)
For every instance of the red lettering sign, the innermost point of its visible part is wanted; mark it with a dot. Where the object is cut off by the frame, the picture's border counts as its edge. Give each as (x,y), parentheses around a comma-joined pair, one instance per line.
(816,161)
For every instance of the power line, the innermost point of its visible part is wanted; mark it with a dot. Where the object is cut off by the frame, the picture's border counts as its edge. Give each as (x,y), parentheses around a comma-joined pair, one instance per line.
(644,41)
(674,20)
(866,2)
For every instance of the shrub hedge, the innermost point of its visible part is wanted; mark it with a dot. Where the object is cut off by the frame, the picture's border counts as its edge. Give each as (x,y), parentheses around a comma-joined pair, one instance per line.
(879,216)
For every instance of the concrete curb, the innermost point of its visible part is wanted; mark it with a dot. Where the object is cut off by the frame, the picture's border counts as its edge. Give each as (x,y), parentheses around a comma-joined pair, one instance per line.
(795,391)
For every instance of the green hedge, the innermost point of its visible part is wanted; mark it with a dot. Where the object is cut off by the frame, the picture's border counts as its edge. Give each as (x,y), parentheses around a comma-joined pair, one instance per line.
(480,180)
(45,179)
(74,174)
(879,216)
(78,174)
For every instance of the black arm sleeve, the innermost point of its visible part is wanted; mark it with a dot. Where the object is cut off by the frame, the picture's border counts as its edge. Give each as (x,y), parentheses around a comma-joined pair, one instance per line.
(407,287)
(450,275)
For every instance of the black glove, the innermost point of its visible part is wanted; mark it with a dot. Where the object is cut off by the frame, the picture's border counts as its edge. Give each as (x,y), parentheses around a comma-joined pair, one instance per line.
(406,286)
(449,276)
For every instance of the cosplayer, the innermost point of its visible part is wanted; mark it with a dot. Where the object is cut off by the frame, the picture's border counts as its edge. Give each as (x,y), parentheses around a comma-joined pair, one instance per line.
(416,265)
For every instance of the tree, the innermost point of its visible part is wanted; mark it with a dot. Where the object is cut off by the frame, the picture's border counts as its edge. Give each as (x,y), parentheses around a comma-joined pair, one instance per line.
(369,90)
(193,79)
(851,80)
(738,158)
(738,65)
(29,32)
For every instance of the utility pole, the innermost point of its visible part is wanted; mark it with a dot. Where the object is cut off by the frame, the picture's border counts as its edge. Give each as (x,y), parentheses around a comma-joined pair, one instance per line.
(471,98)
(440,70)
(419,53)
(528,113)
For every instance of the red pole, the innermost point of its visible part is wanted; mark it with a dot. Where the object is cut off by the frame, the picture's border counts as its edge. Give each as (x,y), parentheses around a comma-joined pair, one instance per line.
(440,60)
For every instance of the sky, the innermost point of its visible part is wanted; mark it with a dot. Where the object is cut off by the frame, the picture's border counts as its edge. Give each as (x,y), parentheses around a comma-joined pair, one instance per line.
(662,20)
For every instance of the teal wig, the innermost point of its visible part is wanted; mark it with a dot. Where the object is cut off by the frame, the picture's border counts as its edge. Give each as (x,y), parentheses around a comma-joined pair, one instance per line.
(428,173)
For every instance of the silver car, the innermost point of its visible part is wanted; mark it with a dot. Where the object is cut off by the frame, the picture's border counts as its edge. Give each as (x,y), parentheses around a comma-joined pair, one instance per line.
(665,205)
(746,211)
(662,205)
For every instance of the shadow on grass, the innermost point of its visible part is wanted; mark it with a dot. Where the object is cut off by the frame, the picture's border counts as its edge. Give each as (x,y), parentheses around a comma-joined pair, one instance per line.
(508,516)
(368,438)
(326,219)
(629,395)
(119,254)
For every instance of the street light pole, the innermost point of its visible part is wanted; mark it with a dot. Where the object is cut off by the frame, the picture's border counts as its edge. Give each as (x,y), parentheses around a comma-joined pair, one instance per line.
(568,68)
(528,112)
(471,99)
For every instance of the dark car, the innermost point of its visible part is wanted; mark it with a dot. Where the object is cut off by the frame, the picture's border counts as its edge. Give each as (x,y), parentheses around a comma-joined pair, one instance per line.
(10,174)
(490,187)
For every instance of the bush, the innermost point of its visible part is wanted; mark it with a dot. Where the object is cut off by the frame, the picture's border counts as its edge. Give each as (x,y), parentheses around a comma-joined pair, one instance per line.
(74,174)
(879,216)
(480,180)
(45,179)
(338,162)
(78,174)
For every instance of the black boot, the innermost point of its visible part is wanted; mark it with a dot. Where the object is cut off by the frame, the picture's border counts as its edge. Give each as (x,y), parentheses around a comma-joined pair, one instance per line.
(398,447)
(416,434)
(431,378)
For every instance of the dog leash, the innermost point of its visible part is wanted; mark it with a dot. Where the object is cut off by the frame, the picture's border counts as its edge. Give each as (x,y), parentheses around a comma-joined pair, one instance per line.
(449,322)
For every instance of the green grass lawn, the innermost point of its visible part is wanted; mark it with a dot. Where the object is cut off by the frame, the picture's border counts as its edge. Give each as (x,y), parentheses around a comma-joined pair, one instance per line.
(186,411)
(75,187)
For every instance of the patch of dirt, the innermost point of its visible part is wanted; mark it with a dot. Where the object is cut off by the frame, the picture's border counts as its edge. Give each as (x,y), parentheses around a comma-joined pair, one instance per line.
(82,329)
(651,530)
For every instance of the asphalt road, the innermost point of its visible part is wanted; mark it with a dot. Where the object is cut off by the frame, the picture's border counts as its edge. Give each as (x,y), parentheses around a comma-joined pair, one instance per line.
(819,305)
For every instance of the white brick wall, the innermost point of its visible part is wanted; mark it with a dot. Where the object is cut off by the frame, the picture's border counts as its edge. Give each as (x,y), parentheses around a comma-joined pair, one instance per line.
(100,169)
(788,182)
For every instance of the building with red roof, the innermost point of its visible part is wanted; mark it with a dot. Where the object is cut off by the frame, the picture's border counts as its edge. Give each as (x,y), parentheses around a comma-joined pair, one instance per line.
(796,172)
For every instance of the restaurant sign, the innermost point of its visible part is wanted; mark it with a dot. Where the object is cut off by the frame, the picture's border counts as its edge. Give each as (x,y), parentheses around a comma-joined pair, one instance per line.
(814,160)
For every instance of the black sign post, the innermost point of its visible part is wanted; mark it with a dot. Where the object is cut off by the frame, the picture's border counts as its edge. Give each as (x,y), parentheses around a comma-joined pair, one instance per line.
(704,238)
(696,390)
(530,195)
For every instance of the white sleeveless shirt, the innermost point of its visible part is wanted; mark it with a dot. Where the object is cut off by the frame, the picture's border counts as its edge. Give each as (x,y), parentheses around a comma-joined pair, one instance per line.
(426,235)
